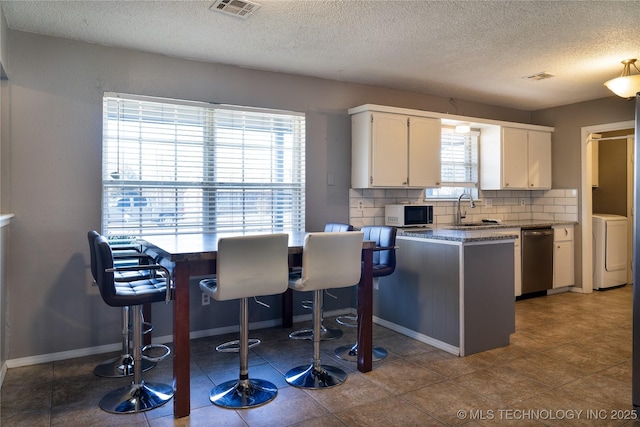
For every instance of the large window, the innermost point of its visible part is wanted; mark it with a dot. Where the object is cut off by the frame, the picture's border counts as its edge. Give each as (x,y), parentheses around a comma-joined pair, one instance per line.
(172,167)
(459,165)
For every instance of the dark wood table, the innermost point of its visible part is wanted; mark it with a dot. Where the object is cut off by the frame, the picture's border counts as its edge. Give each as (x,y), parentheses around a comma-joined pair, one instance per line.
(195,255)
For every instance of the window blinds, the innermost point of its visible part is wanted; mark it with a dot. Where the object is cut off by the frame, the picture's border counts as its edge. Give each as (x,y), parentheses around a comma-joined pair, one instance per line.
(459,157)
(172,167)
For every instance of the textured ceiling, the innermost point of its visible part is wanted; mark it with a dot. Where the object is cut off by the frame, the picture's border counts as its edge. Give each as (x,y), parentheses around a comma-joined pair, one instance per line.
(467,50)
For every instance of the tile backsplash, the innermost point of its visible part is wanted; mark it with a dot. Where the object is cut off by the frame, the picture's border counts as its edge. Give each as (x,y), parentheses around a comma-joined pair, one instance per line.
(366,206)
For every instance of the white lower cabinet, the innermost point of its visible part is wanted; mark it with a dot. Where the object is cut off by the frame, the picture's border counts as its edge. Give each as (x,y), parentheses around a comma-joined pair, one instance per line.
(563,256)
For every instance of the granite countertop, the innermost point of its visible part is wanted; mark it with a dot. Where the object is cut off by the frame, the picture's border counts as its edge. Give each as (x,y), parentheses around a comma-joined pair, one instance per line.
(477,231)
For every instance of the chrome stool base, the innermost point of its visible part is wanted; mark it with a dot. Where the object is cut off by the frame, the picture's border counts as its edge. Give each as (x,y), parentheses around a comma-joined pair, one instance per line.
(120,367)
(326,334)
(136,398)
(236,394)
(350,353)
(315,377)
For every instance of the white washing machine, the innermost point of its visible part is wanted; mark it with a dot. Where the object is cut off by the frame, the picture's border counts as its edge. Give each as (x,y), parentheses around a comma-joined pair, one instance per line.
(609,250)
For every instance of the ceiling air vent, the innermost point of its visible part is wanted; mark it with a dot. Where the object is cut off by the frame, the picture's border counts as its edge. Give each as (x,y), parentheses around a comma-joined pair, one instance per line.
(539,76)
(240,8)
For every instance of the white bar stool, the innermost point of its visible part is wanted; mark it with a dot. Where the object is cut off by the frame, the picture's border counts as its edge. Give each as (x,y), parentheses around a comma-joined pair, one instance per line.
(326,334)
(329,260)
(247,266)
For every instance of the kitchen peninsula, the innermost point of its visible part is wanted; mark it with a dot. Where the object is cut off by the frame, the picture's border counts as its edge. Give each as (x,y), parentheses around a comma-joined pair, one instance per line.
(452,289)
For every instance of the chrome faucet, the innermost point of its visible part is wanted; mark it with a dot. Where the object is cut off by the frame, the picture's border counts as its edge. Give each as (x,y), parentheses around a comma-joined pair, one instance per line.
(472,204)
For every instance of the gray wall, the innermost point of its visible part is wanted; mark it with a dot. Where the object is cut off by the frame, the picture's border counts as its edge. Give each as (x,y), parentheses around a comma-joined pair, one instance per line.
(52,180)
(566,154)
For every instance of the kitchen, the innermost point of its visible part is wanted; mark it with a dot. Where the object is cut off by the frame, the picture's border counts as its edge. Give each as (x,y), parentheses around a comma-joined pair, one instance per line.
(503,210)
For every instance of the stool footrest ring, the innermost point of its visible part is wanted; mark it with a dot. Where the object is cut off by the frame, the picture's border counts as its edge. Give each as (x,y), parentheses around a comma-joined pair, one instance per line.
(348,321)
(147,327)
(234,346)
(326,334)
(167,352)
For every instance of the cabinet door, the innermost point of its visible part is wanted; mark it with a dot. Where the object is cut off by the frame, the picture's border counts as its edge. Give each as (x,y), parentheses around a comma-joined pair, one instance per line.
(389,150)
(539,159)
(563,264)
(514,159)
(424,152)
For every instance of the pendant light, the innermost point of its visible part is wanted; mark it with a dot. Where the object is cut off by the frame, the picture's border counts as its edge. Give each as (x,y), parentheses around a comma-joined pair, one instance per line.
(627,85)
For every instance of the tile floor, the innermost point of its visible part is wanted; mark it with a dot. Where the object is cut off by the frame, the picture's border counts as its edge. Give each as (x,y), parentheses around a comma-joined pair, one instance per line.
(569,363)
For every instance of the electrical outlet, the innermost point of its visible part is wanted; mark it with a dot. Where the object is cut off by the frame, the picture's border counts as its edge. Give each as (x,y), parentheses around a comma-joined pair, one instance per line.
(360,205)
(488,203)
(206,299)
(523,202)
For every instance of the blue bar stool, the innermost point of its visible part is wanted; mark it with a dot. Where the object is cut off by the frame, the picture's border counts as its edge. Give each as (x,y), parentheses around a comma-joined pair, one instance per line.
(122,365)
(384,264)
(138,396)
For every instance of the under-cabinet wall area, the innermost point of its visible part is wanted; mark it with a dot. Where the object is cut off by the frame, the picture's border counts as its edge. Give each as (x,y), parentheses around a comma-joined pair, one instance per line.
(366,206)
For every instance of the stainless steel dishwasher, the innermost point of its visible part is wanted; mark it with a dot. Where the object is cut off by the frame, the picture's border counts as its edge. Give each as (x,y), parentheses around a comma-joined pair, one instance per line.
(537,260)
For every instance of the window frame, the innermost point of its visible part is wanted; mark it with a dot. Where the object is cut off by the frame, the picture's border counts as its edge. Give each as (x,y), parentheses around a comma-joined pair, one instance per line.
(186,167)
(470,187)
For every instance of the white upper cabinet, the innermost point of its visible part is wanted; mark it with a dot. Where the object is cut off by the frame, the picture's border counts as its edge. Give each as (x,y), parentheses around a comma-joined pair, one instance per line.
(424,152)
(515,159)
(394,150)
(539,159)
(400,148)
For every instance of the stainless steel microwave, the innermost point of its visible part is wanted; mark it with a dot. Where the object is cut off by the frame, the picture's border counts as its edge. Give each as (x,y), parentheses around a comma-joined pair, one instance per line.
(408,215)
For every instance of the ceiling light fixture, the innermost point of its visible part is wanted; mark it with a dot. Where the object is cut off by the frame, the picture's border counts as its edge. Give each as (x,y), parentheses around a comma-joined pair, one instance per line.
(463,128)
(627,85)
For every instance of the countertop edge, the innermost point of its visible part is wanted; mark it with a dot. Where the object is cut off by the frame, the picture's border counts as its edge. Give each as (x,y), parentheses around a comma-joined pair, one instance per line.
(479,233)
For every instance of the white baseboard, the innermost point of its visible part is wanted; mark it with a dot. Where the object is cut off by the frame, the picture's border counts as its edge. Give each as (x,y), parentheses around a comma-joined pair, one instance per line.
(90,351)
(63,355)
(558,290)
(418,336)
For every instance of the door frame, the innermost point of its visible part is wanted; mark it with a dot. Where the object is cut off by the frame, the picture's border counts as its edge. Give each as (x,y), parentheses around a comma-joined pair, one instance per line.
(586,203)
